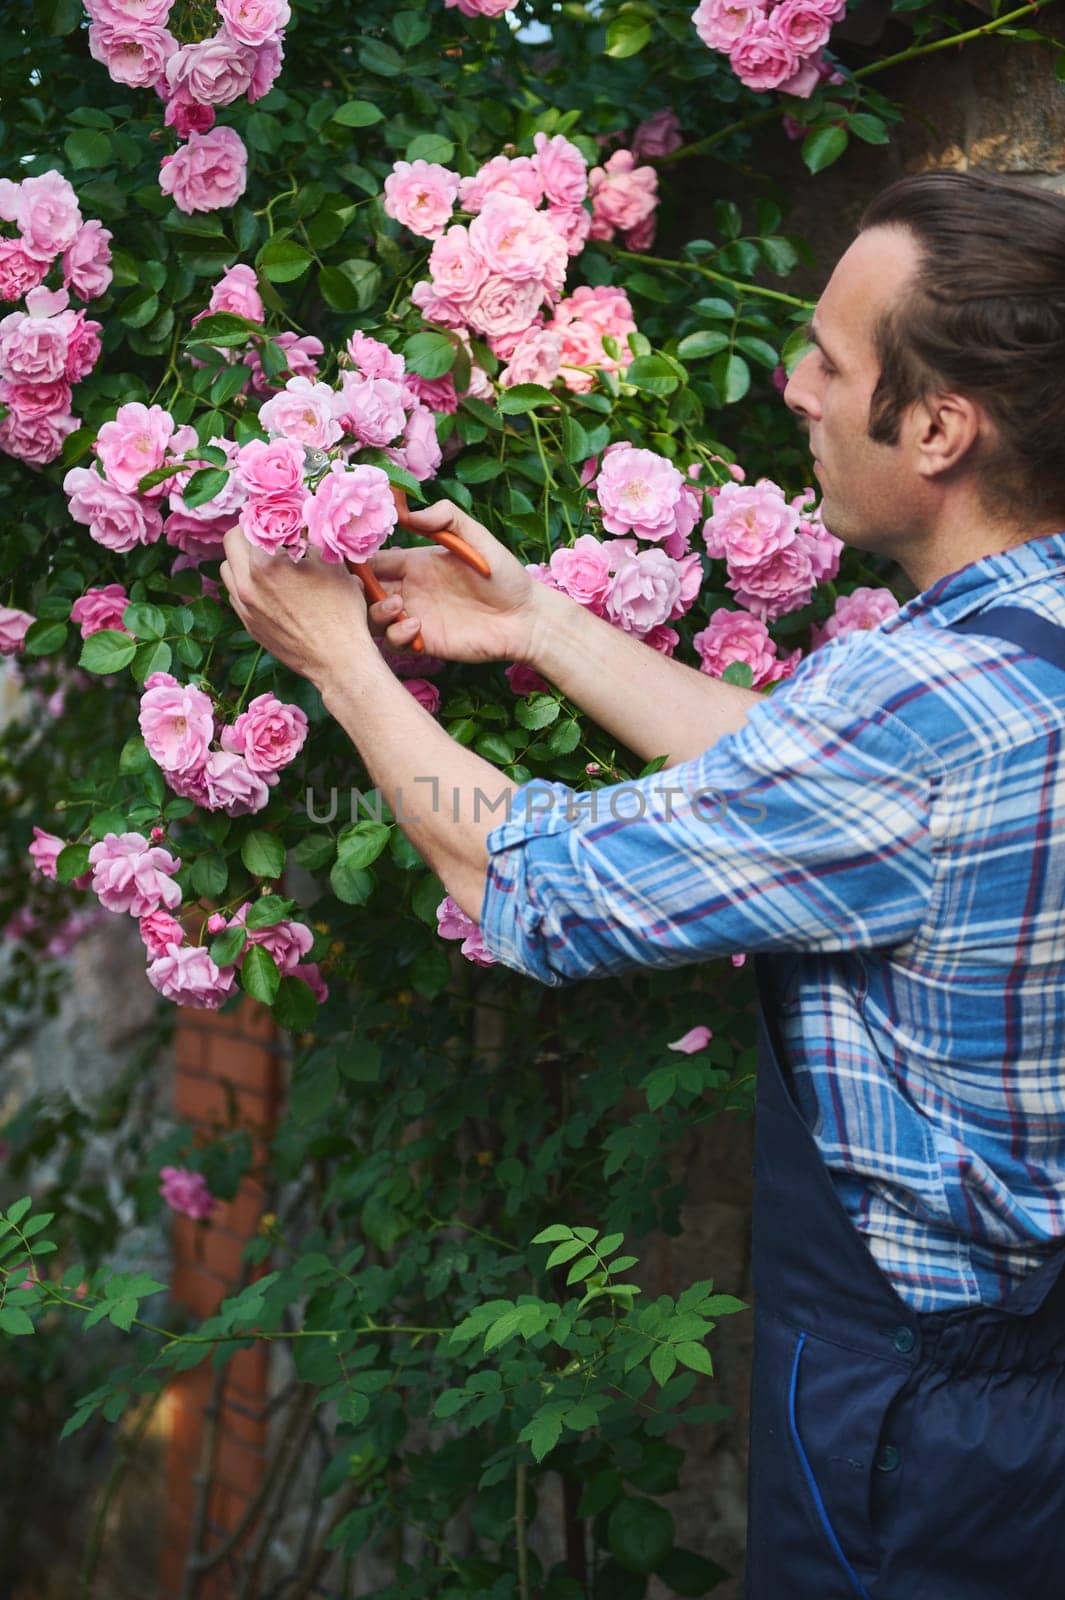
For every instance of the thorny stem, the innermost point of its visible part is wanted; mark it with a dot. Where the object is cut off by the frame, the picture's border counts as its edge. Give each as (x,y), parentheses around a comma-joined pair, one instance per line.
(717,277)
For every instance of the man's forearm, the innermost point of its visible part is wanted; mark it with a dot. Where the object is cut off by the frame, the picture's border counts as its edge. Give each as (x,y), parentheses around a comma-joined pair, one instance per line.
(654,705)
(447,799)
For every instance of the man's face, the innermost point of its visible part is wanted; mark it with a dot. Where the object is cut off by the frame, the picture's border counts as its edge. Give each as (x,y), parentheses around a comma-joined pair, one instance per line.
(870,494)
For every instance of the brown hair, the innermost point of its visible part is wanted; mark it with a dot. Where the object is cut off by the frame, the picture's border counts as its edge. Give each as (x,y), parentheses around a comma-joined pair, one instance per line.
(984,317)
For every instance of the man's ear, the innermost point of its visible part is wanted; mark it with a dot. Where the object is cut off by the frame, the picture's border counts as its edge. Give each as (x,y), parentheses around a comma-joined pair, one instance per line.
(945,430)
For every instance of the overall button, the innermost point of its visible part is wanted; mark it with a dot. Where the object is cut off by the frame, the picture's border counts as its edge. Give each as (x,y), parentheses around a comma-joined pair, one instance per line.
(904,1340)
(887,1458)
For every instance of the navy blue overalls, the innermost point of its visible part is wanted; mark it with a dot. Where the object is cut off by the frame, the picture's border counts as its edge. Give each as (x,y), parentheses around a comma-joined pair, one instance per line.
(895,1455)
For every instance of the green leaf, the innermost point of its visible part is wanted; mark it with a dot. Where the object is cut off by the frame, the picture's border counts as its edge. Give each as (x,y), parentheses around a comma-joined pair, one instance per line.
(430,354)
(204,485)
(224,328)
(581,1269)
(639,1534)
(210,875)
(268,911)
(45,638)
(121,1313)
(739,673)
(564,1252)
(315,852)
(557,1230)
(538,711)
(361,844)
(685,1573)
(352,885)
(430,147)
(707,342)
(18,1208)
(358,114)
(627,35)
(822,147)
(87,148)
(352,285)
(451,1402)
(779,254)
(263,854)
(107,651)
(525,397)
(653,374)
(695,1356)
(228,383)
(295,1007)
(227,946)
(663,1363)
(381,59)
(259,975)
(14,1321)
(144,621)
(71,862)
(151,656)
(600,1493)
(282,260)
(730,376)
(759,350)
(872,129)
(544,1431)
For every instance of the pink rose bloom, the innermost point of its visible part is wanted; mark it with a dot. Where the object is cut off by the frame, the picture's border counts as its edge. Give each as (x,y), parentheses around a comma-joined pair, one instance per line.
(237,291)
(177,723)
(184,115)
(482,8)
(268,60)
(804,25)
(573,224)
(638,492)
(158,929)
(301,351)
(371,409)
(435,307)
(135,443)
(33,343)
(100,608)
(186,1192)
(87,261)
(781,583)
(421,195)
(438,394)
(453,923)
(582,321)
(116,520)
(19,271)
(721,24)
(860,611)
(374,359)
(660,135)
(420,451)
(536,358)
(269,734)
(763,58)
(662,638)
(45,851)
(254,21)
(198,540)
(749,523)
(562,169)
(304,411)
(502,175)
(456,269)
(232,786)
(694,1040)
(287,942)
(47,215)
(503,305)
(187,975)
(276,522)
(583,572)
(645,587)
(623,194)
(426,693)
(311,974)
(689,570)
(351,513)
(208,173)
(83,348)
(407,664)
(524,681)
(13,626)
(129,874)
(273,468)
(37,440)
(732,636)
(135,55)
(514,240)
(214,72)
(129,13)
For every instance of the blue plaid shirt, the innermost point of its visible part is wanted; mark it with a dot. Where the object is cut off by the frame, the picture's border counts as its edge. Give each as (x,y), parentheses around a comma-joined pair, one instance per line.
(890,825)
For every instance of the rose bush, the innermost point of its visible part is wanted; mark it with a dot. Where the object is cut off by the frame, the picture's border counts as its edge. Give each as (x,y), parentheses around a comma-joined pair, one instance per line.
(415,256)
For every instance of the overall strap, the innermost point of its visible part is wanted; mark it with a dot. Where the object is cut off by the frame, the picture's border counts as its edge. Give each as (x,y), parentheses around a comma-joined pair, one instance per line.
(1018,626)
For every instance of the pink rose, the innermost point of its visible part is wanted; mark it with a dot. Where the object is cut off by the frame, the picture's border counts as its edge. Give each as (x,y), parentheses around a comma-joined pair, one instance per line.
(749,523)
(269,734)
(519,243)
(254,21)
(581,322)
(763,58)
(158,929)
(645,588)
(373,358)
(437,307)
(133,444)
(562,169)
(13,626)
(457,271)
(301,352)
(503,305)
(185,116)
(732,636)
(638,492)
(860,611)
(662,638)
(100,608)
(805,24)
(573,224)
(268,60)
(438,394)
(420,451)
(208,173)
(177,723)
(116,520)
(129,874)
(276,522)
(453,923)
(237,291)
(536,358)
(273,468)
(371,409)
(502,175)
(623,195)
(351,513)
(311,975)
(421,195)
(198,540)
(304,411)
(187,975)
(524,681)
(583,572)
(129,13)
(232,786)
(19,271)
(37,440)
(482,8)
(720,24)
(660,135)
(83,348)
(426,693)
(47,215)
(287,942)
(781,583)
(33,344)
(44,852)
(134,54)
(214,72)
(87,261)
(185,1191)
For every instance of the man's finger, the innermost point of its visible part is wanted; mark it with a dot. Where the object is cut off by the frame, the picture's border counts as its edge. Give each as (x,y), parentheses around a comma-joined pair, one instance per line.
(389,563)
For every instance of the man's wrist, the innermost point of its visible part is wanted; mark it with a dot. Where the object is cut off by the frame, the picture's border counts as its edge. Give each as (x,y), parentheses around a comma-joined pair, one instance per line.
(553,616)
(358,667)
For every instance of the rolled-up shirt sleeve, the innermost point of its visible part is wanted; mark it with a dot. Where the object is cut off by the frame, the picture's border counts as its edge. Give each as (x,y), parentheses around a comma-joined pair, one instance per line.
(807,830)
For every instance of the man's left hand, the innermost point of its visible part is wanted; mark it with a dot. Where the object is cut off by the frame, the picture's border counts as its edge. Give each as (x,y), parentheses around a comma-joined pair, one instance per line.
(311,615)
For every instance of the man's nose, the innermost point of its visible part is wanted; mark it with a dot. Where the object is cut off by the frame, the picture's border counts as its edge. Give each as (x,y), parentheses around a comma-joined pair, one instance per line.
(800,391)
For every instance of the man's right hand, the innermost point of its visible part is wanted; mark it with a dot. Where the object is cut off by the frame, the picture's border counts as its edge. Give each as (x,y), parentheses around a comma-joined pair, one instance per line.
(461,615)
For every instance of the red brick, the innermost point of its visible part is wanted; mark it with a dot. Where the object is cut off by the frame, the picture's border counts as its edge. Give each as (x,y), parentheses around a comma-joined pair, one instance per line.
(197,1289)
(248,1371)
(245,1062)
(247,1424)
(241,1215)
(207,1100)
(239,1466)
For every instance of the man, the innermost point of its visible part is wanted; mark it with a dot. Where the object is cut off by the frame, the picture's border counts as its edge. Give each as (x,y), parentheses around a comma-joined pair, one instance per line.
(898,866)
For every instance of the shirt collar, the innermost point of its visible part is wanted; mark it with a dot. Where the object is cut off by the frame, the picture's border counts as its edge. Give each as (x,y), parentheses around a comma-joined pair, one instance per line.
(972,587)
